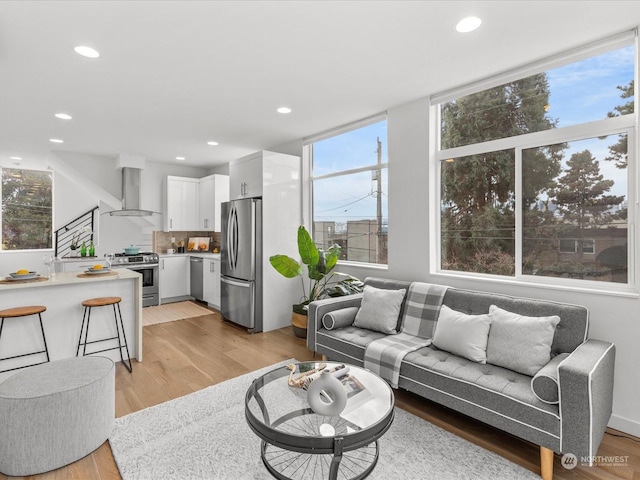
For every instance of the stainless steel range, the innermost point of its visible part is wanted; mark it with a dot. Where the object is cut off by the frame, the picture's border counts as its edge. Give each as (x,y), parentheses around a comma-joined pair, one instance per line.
(145,263)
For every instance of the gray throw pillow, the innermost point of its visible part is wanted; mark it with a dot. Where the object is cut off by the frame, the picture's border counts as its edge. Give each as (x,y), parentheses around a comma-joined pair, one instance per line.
(544,384)
(518,342)
(462,334)
(340,318)
(380,309)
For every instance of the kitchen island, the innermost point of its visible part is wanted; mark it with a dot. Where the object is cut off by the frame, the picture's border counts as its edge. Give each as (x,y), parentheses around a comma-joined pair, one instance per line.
(63,294)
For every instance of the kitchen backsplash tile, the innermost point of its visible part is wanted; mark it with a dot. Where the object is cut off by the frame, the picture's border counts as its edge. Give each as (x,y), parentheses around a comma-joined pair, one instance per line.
(162,240)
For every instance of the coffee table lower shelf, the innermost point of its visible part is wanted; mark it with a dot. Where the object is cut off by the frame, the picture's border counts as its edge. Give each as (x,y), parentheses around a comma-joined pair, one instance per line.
(286,464)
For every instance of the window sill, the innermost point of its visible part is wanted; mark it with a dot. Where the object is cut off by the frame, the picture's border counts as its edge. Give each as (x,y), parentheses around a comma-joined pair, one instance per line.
(370,266)
(625,292)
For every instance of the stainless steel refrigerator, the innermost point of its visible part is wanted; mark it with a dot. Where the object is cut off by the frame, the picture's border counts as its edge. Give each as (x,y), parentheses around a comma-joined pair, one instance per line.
(241,263)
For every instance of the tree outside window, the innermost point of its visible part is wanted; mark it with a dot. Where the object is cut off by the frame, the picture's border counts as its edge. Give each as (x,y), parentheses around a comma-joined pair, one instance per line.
(27,209)
(569,197)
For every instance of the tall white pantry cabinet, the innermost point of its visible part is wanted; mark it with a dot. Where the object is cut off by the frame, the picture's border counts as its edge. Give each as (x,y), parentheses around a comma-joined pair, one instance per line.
(276,178)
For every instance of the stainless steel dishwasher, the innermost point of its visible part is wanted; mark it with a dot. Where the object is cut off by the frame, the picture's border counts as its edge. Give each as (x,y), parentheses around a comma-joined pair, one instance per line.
(197,291)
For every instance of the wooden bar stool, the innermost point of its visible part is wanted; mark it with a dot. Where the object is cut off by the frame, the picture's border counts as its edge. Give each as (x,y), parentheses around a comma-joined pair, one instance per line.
(24,312)
(86,317)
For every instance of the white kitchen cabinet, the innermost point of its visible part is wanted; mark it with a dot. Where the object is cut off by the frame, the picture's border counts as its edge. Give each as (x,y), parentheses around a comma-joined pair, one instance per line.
(174,277)
(211,281)
(246,176)
(181,204)
(213,191)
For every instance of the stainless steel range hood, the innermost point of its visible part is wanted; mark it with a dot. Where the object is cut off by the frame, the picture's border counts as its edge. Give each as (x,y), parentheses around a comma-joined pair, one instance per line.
(131,186)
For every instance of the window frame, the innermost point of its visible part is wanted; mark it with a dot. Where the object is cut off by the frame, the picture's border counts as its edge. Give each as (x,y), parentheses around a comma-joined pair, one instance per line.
(307,152)
(52,238)
(625,124)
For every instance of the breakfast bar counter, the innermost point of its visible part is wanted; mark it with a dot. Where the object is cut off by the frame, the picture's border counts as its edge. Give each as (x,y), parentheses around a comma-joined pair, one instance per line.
(63,294)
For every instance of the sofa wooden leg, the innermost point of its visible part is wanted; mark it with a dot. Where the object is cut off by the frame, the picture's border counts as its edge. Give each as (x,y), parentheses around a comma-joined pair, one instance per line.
(546,463)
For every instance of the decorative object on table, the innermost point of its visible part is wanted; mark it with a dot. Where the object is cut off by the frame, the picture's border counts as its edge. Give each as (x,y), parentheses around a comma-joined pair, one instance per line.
(299,380)
(48,261)
(109,259)
(75,246)
(83,250)
(131,250)
(322,279)
(326,395)
(33,279)
(93,274)
(92,249)
(98,269)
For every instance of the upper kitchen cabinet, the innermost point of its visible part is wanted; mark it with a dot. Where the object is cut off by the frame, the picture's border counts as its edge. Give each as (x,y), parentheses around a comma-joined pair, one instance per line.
(245,176)
(248,176)
(213,190)
(181,204)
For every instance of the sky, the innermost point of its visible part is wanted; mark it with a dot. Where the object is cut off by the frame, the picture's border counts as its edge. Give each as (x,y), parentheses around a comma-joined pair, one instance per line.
(580,92)
(352,197)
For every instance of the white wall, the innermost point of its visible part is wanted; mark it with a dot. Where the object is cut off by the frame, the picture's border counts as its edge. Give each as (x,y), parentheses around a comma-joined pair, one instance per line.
(612,318)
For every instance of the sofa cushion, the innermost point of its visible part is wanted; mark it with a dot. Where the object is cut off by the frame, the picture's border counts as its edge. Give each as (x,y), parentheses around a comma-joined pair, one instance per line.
(340,318)
(379,309)
(464,335)
(346,344)
(492,394)
(544,384)
(518,342)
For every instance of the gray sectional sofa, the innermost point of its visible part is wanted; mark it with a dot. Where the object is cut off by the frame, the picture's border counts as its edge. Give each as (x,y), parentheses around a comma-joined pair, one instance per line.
(563,407)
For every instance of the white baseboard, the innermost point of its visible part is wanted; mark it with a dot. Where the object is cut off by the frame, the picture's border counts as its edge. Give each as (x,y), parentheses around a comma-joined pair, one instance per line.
(632,427)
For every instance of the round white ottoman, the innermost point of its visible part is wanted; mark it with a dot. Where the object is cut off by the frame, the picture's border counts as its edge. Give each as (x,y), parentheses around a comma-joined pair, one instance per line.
(55,413)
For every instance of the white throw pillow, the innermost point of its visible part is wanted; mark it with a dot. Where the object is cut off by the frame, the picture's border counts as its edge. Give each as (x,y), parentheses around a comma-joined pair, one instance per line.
(462,334)
(380,309)
(518,342)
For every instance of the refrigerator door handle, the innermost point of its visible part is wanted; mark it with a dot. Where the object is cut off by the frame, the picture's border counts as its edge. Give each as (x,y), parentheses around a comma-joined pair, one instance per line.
(235,283)
(232,234)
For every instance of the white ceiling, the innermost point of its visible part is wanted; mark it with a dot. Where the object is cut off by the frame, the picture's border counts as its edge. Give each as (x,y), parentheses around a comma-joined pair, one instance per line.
(175,74)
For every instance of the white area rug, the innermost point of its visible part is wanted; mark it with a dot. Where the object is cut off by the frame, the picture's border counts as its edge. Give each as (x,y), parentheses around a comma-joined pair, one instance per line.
(171,312)
(205,436)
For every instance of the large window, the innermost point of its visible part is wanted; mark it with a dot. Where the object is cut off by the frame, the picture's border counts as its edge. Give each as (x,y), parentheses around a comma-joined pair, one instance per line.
(534,172)
(27,209)
(349,177)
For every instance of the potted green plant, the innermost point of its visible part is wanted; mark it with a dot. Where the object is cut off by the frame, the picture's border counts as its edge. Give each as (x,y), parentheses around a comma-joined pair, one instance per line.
(322,282)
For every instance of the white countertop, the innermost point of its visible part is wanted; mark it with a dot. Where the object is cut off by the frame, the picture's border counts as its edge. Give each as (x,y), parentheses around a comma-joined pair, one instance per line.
(191,254)
(70,278)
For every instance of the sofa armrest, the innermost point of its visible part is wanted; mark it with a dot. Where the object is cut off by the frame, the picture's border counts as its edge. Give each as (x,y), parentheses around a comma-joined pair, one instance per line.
(319,308)
(586,396)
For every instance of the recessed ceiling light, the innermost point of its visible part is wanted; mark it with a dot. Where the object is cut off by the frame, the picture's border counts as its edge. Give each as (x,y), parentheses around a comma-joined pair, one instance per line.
(468,24)
(284,110)
(56,140)
(180,158)
(212,143)
(63,116)
(15,158)
(87,51)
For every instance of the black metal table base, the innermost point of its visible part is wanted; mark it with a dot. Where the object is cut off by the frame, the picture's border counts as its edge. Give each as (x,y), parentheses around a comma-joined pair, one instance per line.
(288,465)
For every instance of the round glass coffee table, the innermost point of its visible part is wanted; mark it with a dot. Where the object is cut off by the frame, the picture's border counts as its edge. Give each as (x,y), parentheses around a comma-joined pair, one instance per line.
(298,443)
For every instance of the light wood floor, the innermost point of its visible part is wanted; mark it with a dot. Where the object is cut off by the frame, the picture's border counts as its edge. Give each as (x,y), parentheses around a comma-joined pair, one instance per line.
(185,356)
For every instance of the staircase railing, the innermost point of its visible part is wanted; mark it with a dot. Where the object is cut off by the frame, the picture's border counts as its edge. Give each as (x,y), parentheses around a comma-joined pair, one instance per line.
(80,229)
